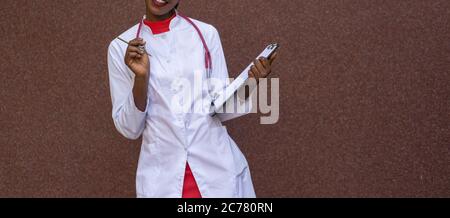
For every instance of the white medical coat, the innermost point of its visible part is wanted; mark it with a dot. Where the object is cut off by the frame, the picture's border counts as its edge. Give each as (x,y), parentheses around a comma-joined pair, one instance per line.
(170,137)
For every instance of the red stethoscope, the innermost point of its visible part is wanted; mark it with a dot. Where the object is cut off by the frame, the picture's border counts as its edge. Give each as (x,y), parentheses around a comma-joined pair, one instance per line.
(208,61)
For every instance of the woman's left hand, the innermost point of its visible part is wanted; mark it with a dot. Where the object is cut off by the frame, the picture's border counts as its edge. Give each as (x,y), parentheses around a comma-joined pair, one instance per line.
(262,67)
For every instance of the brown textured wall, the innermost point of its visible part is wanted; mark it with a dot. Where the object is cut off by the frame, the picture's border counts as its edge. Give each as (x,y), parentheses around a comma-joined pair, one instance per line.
(364,96)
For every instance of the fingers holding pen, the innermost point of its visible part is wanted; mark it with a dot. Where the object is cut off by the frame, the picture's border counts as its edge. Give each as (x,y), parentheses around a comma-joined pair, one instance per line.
(135,50)
(137,42)
(139,51)
(136,57)
(137,45)
(132,49)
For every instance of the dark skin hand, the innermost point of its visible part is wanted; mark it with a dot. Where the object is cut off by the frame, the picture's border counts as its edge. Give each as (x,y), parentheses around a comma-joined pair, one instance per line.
(261,68)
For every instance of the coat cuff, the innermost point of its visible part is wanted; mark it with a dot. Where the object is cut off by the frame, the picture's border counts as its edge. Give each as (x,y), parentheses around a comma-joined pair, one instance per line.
(131,108)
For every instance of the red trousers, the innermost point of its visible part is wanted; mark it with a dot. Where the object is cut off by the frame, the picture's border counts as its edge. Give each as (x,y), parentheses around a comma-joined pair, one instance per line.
(190,188)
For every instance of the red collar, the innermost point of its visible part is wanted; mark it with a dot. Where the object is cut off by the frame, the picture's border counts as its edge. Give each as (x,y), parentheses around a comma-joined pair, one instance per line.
(159,27)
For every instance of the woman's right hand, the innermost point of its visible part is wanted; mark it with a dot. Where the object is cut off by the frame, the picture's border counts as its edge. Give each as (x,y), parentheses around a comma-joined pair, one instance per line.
(136,59)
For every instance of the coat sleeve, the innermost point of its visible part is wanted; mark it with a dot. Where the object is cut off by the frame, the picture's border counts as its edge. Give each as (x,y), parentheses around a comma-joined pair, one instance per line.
(240,106)
(128,119)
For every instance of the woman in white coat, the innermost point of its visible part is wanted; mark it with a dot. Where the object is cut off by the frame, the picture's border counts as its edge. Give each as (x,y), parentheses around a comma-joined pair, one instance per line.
(183,154)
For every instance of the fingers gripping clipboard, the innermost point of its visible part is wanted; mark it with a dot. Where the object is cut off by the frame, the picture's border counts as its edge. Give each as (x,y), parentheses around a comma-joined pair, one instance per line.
(222,97)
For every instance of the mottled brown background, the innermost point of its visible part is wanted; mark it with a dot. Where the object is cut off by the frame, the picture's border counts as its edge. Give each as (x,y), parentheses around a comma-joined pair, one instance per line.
(364,96)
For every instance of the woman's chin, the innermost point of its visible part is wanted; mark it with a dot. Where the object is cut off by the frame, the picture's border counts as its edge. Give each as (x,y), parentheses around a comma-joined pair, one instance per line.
(161,11)
(157,8)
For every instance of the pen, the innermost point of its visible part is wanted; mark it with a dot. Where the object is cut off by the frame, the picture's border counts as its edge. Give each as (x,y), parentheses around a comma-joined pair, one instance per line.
(142,48)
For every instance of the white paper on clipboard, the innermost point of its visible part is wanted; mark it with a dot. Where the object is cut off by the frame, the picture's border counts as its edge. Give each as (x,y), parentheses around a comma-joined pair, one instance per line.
(229,91)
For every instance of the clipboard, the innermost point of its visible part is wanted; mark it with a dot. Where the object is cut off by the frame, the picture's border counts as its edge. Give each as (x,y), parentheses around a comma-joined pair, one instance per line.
(230,90)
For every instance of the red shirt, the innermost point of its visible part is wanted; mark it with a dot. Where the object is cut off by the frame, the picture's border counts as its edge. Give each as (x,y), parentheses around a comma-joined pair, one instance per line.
(159,27)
